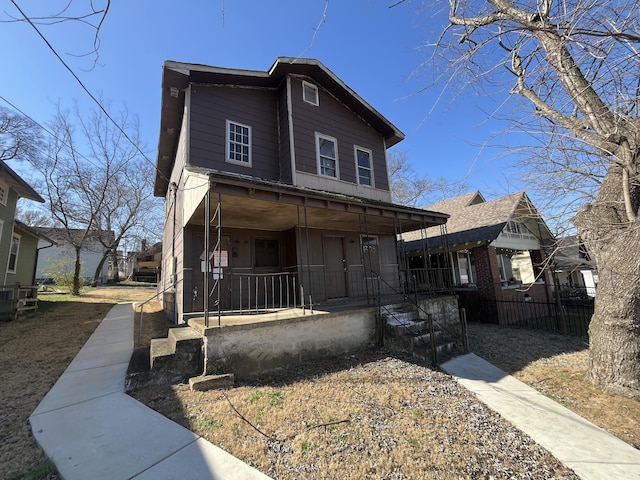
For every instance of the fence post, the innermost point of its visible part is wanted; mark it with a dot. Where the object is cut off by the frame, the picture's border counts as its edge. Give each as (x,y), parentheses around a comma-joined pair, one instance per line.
(463,327)
(380,319)
(432,340)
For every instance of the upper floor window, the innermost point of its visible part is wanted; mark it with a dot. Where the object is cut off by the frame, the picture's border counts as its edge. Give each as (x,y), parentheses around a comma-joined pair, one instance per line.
(4,193)
(364,167)
(327,153)
(238,143)
(13,253)
(516,227)
(310,93)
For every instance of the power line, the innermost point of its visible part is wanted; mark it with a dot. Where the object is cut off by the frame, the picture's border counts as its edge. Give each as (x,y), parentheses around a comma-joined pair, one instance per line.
(53,135)
(95,100)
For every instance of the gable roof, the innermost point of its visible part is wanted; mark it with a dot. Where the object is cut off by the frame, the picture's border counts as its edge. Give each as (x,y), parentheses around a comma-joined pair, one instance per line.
(177,76)
(16,182)
(34,231)
(571,254)
(474,220)
(60,236)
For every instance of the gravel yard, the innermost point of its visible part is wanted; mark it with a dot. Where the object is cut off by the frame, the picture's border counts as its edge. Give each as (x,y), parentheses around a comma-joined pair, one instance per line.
(370,415)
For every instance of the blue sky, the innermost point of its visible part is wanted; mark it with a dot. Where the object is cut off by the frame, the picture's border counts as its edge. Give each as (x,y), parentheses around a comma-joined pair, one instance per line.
(371,47)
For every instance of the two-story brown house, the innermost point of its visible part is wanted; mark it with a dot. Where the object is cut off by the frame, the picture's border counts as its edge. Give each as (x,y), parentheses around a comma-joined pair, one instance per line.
(281,176)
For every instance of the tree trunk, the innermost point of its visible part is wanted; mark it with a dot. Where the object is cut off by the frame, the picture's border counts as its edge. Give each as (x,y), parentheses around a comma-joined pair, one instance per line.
(96,275)
(614,332)
(76,274)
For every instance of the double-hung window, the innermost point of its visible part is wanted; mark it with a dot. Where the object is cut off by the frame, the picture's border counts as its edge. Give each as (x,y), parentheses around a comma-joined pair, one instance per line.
(327,153)
(13,253)
(4,191)
(363,166)
(238,143)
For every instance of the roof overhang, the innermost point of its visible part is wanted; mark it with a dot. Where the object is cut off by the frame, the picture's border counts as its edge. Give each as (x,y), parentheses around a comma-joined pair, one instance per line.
(16,182)
(252,204)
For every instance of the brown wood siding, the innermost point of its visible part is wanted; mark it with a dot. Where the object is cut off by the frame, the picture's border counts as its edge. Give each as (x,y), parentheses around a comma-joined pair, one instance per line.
(332,118)
(211,107)
(284,137)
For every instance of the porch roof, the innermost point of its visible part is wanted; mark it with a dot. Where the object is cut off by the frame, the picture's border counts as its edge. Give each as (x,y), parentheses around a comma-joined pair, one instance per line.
(247,202)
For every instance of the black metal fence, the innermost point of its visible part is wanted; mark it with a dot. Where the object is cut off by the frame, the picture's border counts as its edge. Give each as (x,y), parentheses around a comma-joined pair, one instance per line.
(570,316)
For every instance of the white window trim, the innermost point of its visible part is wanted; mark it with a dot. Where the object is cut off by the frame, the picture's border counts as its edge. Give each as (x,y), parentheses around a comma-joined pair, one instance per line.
(227,142)
(15,264)
(1,228)
(355,157)
(304,96)
(318,163)
(5,187)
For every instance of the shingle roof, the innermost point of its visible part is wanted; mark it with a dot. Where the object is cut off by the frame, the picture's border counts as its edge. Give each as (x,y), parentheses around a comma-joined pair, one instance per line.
(472,220)
(571,254)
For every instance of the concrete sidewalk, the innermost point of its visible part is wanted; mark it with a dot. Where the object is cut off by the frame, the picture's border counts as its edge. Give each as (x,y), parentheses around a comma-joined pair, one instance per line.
(90,428)
(590,451)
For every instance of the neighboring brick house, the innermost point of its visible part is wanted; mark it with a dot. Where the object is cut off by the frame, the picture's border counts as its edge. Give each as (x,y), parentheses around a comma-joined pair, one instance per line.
(281,176)
(493,252)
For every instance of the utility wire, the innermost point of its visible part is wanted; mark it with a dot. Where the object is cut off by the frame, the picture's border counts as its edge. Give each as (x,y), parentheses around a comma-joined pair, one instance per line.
(95,100)
(53,135)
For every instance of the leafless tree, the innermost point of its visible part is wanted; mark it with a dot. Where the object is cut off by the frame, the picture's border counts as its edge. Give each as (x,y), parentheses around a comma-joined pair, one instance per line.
(90,15)
(20,138)
(414,190)
(102,194)
(574,64)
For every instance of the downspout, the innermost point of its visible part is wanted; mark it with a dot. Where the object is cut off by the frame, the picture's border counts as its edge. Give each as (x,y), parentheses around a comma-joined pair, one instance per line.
(35,265)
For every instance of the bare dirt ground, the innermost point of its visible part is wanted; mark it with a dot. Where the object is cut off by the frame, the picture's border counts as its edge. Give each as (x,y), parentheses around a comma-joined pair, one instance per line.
(367,415)
(34,351)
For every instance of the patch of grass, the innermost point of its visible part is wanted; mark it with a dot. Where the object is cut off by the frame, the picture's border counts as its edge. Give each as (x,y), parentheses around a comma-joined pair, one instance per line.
(416,413)
(43,470)
(306,446)
(275,399)
(208,422)
(35,350)
(255,396)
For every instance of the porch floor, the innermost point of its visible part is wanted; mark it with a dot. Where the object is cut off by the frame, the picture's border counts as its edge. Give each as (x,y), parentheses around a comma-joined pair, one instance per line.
(330,306)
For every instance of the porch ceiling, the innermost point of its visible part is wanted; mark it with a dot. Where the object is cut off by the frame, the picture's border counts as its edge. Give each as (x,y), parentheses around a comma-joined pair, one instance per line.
(275,209)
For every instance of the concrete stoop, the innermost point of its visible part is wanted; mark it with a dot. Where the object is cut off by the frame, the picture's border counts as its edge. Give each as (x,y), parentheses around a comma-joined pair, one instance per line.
(405,331)
(177,357)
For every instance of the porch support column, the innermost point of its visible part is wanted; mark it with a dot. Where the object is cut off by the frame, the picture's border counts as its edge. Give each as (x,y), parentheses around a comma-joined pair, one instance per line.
(207,243)
(306,229)
(401,256)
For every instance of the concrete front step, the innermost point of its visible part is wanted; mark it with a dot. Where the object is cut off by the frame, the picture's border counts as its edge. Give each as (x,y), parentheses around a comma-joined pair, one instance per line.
(176,357)
(204,383)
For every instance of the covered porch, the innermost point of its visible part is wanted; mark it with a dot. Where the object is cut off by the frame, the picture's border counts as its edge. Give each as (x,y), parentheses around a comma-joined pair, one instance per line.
(272,246)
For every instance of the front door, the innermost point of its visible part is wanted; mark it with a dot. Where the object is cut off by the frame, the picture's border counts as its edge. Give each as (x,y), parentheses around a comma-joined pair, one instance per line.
(335,265)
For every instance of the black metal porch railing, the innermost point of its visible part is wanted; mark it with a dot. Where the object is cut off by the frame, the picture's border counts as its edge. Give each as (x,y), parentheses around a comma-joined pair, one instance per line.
(431,280)
(258,293)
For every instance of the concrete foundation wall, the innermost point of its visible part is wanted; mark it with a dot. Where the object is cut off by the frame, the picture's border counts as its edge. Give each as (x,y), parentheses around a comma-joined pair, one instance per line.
(253,349)
(443,309)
